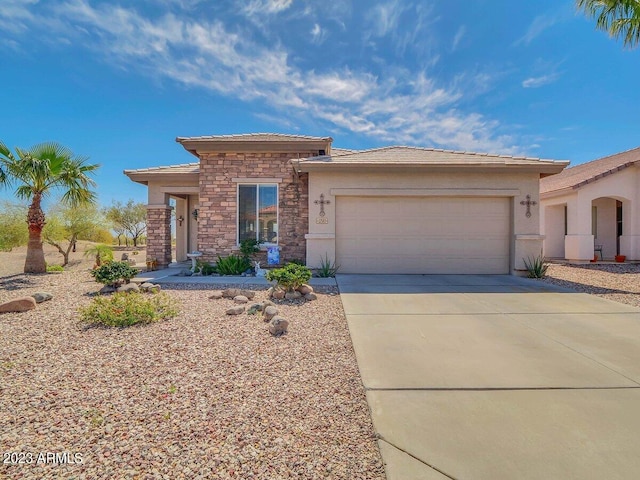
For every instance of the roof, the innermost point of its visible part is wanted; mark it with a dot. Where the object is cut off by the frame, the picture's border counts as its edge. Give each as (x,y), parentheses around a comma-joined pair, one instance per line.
(580,175)
(255,137)
(415,156)
(341,151)
(169,169)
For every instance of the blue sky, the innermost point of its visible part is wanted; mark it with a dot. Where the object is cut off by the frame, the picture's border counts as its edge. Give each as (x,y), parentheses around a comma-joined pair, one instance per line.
(119,80)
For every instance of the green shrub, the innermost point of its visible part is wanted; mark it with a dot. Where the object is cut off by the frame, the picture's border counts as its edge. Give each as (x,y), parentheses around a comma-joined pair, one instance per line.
(297,261)
(232,265)
(289,277)
(55,268)
(128,308)
(114,273)
(206,268)
(102,253)
(248,247)
(327,268)
(536,267)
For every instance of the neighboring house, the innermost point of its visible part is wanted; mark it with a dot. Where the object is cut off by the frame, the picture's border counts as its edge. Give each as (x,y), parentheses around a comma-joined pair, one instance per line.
(593,204)
(385,210)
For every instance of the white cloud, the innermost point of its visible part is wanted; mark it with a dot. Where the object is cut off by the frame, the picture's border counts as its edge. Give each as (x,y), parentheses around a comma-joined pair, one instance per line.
(397,106)
(458,37)
(318,34)
(536,82)
(537,27)
(267,6)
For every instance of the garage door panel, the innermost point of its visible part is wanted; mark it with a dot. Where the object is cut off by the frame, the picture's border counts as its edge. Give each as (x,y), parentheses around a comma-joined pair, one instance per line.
(422,235)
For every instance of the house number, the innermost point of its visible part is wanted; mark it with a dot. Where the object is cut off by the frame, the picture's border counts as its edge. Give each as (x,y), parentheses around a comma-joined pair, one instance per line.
(322,220)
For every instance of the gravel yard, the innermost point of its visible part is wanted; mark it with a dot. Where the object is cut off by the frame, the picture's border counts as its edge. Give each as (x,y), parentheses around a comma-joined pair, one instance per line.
(619,282)
(204,395)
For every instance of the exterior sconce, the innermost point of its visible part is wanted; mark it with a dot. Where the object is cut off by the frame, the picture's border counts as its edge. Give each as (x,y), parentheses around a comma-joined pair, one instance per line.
(195,214)
(180,220)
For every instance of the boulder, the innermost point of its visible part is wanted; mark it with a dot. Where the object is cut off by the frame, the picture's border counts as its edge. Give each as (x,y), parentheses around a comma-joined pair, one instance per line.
(124,257)
(106,289)
(277,294)
(310,297)
(240,299)
(128,287)
(266,303)
(292,295)
(269,312)
(40,297)
(21,304)
(257,307)
(278,326)
(304,289)
(235,310)
(217,295)
(231,292)
(248,293)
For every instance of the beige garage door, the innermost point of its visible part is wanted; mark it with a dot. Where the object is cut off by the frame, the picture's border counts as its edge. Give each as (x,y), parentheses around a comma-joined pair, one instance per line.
(426,235)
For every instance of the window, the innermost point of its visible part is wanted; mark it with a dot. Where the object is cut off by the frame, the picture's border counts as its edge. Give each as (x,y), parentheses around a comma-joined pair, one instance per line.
(258,212)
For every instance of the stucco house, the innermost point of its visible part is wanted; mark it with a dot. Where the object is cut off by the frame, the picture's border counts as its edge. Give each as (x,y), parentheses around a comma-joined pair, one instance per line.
(385,210)
(592,206)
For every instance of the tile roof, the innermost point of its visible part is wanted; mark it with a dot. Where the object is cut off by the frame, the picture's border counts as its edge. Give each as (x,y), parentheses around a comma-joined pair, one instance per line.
(401,155)
(584,173)
(341,151)
(169,169)
(255,137)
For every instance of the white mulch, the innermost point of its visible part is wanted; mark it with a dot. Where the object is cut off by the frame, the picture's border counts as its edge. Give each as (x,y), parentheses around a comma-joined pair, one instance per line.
(204,395)
(616,281)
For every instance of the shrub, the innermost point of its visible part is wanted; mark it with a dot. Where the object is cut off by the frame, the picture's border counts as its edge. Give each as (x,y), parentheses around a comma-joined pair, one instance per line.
(55,268)
(297,261)
(114,273)
(289,277)
(327,268)
(232,265)
(103,253)
(248,247)
(128,308)
(536,267)
(205,268)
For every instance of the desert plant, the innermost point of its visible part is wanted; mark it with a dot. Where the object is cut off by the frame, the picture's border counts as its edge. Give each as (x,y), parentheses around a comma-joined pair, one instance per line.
(327,268)
(232,265)
(103,253)
(55,268)
(114,273)
(536,267)
(249,247)
(205,268)
(128,308)
(289,277)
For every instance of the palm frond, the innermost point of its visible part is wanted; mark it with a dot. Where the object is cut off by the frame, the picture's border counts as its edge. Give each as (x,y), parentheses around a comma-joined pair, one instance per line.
(620,18)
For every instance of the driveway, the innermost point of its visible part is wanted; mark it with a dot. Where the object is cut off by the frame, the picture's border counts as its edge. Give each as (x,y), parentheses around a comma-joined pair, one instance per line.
(496,377)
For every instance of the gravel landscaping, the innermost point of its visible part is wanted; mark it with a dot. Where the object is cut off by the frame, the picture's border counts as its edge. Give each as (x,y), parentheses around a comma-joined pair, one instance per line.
(619,282)
(204,395)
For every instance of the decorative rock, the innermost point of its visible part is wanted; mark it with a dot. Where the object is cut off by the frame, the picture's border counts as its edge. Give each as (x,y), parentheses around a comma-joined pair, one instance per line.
(235,310)
(231,292)
(292,295)
(257,307)
(304,289)
(187,273)
(269,312)
(216,295)
(21,304)
(266,303)
(124,257)
(240,299)
(40,297)
(128,287)
(278,326)
(310,297)
(277,294)
(106,289)
(248,293)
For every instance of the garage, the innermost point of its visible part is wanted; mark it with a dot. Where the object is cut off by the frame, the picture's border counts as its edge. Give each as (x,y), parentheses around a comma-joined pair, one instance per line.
(423,235)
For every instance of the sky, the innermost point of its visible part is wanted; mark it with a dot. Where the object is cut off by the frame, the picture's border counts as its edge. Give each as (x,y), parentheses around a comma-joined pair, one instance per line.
(118,81)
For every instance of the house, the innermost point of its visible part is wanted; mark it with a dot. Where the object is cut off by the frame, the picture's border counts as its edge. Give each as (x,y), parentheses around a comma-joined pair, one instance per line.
(385,210)
(594,204)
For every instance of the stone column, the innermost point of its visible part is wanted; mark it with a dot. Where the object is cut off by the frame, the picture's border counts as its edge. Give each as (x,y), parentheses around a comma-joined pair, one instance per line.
(159,234)
(578,243)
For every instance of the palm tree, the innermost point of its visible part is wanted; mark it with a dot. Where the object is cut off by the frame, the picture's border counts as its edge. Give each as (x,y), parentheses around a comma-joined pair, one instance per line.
(38,172)
(621,18)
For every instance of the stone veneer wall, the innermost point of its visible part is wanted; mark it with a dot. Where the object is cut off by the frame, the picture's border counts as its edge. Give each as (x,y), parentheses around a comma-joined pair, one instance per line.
(159,234)
(217,218)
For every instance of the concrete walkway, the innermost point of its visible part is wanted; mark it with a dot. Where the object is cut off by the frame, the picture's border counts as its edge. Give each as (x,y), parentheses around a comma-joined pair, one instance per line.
(496,377)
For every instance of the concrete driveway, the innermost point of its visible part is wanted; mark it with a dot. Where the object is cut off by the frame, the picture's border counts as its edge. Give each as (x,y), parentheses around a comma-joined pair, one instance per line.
(496,377)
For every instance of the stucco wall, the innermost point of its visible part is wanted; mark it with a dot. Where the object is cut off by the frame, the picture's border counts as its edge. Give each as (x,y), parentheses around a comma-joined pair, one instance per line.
(220,174)
(525,237)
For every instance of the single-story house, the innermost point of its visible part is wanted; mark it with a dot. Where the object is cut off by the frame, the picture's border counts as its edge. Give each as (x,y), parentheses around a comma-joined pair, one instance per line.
(385,210)
(593,206)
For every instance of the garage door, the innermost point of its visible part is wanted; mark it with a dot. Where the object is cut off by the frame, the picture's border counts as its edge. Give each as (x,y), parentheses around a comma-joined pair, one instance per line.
(429,235)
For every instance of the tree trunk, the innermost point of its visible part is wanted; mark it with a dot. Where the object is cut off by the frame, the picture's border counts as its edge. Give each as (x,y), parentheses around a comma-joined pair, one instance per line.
(35,262)
(135,241)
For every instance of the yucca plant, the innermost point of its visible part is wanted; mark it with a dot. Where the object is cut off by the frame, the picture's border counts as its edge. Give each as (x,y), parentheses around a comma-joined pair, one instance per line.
(327,268)
(536,267)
